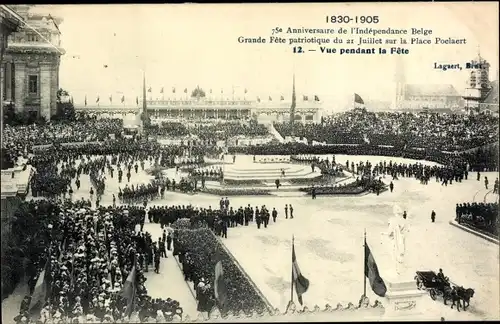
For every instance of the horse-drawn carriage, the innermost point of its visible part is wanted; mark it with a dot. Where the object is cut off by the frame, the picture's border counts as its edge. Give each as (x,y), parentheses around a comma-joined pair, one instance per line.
(441,286)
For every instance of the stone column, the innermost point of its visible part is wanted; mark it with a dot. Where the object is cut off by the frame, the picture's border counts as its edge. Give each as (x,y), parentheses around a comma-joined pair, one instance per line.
(54,86)
(21,85)
(8,81)
(45,90)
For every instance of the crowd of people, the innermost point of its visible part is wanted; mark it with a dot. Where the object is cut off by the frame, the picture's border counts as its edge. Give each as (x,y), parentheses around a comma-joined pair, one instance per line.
(87,257)
(217,220)
(223,131)
(89,253)
(447,132)
(483,216)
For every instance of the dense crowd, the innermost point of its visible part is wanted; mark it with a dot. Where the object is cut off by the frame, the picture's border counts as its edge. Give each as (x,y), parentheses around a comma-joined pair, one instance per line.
(87,258)
(483,216)
(444,174)
(453,132)
(175,129)
(88,254)
(223,131)
(23,138)
(482,160)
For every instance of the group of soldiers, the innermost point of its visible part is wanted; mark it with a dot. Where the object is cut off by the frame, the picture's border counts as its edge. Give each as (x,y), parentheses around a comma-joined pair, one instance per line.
(443,174)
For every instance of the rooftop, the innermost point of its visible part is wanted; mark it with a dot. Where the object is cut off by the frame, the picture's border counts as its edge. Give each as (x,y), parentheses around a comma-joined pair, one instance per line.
(436,90)
(17,184)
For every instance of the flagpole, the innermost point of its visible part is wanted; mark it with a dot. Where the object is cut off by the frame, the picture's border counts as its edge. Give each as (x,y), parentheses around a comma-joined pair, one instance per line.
(291,287)
(364,267)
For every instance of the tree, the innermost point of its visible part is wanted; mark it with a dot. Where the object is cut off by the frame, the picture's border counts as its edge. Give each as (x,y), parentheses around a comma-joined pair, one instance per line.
(61,93)
(65,109)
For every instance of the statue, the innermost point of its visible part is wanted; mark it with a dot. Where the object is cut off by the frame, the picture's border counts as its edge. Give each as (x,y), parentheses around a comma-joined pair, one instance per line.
(398,228)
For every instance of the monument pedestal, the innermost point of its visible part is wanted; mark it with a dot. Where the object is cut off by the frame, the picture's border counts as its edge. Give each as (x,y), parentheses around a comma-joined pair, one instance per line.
(403,300)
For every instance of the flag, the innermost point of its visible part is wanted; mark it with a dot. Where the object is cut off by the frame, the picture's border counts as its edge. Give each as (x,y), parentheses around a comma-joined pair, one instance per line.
(173,90)
(97,100)
(371,272)
(123,99)
(270,99)
(210,90)
(294,104)
(316,98)
(129,290)
(282,98)
(110,98)
(185,90)
(161,90)
(137,100)
(220,288)
(150,89)
(258,99)
(301,282)
(358,100)
(85,100)
(40,292)
(305,98)
(246,91)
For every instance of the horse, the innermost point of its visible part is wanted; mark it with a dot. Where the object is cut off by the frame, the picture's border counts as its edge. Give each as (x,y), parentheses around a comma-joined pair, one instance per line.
(450,294)
(465,295)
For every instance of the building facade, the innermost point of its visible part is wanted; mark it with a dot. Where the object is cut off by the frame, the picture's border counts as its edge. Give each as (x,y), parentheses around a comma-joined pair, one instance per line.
(430,96)
(201,108)
(481,94)
(31,63)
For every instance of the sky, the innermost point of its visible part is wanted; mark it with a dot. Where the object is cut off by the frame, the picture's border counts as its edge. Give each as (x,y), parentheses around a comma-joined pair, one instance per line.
(189,45)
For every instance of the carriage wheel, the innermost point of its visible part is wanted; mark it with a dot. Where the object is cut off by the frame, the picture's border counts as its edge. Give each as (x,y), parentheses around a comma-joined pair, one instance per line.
(432,292)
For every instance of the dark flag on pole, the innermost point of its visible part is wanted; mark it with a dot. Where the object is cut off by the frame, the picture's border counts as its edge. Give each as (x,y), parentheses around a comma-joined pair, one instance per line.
(258,99)
(220,288)
(40,292)
(161,90)
(358,99)
(282,98)
(270,99)
(123,99)
(110,98)
(371,272)
(185,90)
(301,283)
(85,100)
(150,89)
(173,90)
(246,91)
(97,100)
(129,290)
(137,100)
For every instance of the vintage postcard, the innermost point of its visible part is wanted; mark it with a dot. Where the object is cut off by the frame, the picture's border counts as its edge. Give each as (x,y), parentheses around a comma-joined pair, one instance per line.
(250,162)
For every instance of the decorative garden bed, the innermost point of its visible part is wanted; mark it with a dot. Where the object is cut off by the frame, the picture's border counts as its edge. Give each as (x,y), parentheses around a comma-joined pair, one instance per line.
(236,192)
(201,245)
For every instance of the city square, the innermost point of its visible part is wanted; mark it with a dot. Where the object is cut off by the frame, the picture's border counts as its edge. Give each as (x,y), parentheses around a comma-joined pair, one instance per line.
(181,204)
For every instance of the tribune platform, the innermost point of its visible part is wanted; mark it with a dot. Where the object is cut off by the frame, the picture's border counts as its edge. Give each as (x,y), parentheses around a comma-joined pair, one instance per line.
(269,172)
(246,169)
